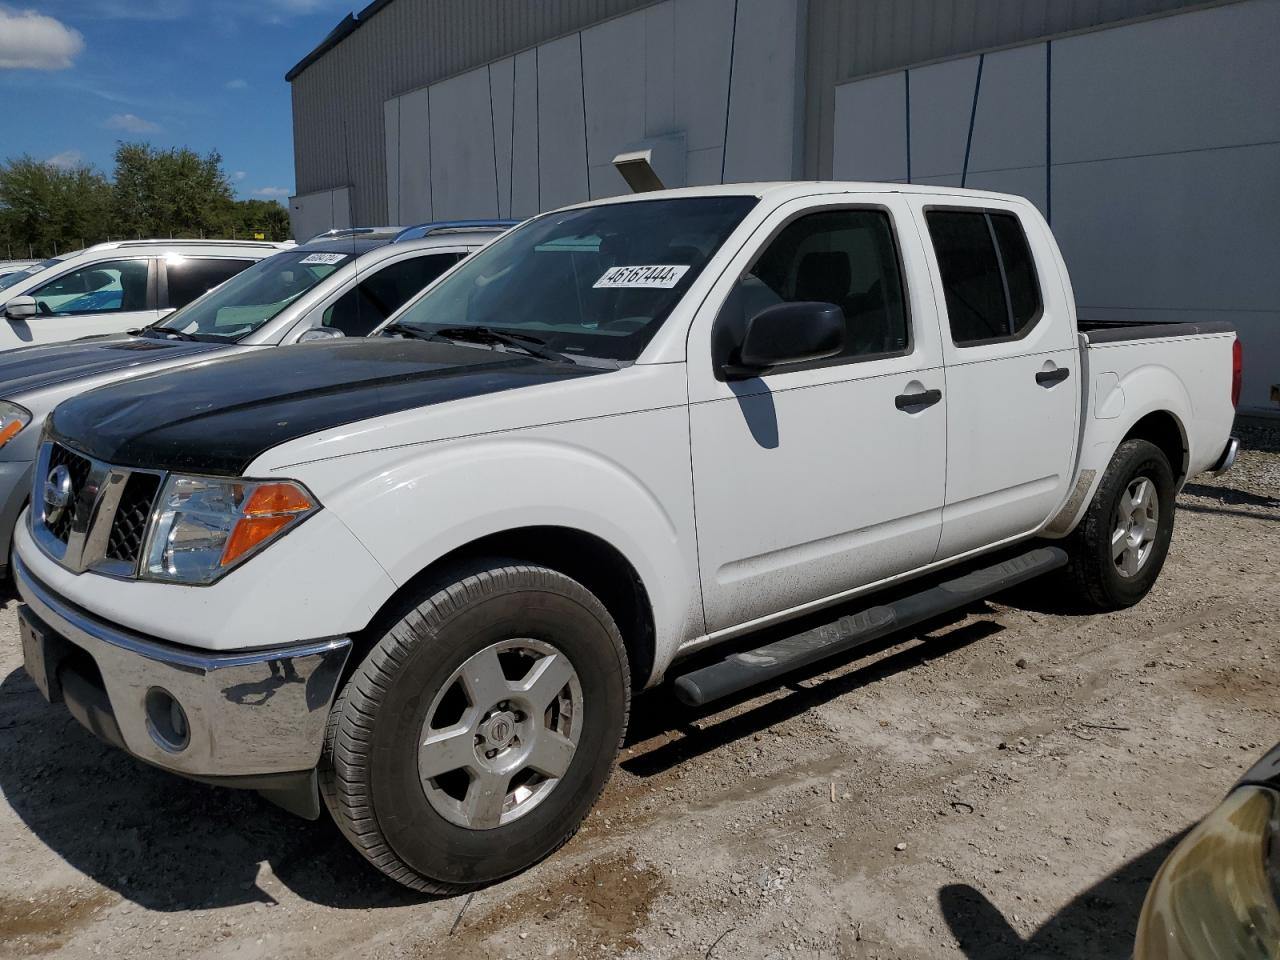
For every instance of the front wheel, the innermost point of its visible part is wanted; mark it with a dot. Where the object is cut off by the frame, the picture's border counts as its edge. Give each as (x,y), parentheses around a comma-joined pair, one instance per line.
(1120,546)
(480,729)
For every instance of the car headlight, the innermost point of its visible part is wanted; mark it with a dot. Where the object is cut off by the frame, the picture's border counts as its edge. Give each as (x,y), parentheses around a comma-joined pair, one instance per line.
(204,526)
(1214,897)
(12,419)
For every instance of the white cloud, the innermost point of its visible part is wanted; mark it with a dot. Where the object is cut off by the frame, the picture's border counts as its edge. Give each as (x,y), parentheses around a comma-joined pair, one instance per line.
(33,41)
(66,160)
(130,123)
(238,176)
(237,84)
(272,192)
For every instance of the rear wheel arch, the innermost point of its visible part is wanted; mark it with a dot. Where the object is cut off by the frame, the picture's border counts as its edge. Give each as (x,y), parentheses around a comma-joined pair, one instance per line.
(1164,430)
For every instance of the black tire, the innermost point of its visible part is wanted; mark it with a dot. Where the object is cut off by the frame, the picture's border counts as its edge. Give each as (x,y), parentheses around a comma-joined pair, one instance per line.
(1093,572)
(369,767)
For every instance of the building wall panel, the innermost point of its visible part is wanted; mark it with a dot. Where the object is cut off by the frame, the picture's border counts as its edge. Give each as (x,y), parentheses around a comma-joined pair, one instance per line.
(562,145)
(464,180)
(871,129)
(415,158)
(941,104)
(765,103)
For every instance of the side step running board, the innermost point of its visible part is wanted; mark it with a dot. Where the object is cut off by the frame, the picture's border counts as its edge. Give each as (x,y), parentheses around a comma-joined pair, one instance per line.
(750,667)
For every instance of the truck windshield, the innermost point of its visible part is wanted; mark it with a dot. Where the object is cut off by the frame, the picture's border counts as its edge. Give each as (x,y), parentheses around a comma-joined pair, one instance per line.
(595,282)
(251,298)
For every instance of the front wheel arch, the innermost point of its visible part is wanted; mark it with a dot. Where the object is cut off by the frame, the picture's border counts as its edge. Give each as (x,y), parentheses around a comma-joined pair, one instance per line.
(584,557)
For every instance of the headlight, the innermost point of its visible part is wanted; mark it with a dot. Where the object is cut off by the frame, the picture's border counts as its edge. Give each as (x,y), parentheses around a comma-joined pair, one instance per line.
(12,419)
(204,526)
(1214,899)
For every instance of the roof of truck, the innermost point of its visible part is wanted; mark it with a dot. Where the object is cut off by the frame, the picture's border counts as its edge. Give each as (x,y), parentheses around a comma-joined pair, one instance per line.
(789,189)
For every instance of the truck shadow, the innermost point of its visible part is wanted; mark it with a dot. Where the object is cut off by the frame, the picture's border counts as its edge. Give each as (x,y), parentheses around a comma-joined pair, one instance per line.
(160,841)
(1099,924)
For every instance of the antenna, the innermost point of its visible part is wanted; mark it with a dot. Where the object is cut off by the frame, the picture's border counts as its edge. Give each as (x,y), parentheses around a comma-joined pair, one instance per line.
(355,257)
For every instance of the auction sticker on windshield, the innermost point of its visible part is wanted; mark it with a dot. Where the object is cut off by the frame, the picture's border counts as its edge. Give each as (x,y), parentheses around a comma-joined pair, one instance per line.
(323,258)
(655,276)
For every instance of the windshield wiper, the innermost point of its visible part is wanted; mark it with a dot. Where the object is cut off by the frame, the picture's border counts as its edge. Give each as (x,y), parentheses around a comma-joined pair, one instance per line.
(407,331)
(534,346)
(166,332)
(484,337)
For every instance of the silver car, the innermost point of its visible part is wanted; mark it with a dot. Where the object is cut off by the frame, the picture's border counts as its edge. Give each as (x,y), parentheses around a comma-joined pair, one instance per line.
(337,286)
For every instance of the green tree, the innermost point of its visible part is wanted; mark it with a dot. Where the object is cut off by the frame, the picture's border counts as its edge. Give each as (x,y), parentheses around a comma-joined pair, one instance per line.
(155,193)
(46,209)
(170,192)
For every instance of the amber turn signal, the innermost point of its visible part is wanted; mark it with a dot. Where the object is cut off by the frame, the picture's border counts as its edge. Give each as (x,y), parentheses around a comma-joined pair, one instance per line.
(271,508)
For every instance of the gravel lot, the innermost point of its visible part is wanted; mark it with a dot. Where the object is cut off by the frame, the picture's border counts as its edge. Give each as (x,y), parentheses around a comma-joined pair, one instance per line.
(1002,786)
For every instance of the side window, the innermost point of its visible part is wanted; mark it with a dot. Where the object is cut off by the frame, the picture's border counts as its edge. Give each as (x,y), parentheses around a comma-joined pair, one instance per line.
(988,275)
(381,294)
(191,278)
(110,286)
(845,257)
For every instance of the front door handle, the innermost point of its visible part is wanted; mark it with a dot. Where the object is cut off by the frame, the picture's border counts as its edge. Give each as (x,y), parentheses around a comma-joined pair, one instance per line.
(912,402)
(1047,378)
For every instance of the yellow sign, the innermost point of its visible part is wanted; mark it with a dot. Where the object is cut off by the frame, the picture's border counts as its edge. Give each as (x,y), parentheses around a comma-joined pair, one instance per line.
(259,236)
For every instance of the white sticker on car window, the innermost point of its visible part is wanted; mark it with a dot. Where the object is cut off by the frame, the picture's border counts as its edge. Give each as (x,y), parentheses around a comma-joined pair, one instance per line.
(323,258)
(652,276)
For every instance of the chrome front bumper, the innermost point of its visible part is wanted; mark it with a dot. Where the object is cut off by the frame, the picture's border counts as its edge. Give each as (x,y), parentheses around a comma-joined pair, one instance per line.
(246,717)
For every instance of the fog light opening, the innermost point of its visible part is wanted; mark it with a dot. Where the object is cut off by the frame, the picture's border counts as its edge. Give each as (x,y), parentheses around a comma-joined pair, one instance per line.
(167,721)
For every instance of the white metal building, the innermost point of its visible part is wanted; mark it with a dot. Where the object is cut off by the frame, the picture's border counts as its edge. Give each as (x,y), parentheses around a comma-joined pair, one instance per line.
(1148,131)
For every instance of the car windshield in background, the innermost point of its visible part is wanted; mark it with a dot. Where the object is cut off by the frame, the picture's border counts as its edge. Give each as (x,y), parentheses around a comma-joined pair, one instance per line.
(251,298)
(9,279)
(594,282)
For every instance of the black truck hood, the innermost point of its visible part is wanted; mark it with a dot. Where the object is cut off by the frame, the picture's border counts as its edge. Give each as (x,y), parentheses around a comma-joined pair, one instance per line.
(217,418)
(34,368)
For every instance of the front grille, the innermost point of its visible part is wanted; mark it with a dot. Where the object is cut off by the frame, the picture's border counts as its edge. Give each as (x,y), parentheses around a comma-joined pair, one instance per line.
(124,542)
(79,467)
(104,525)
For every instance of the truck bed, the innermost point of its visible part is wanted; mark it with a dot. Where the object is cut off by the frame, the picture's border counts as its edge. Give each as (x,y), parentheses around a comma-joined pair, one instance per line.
(1112,331)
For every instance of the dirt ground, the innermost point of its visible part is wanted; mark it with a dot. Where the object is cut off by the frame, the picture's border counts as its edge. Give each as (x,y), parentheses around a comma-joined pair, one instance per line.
(1002,786)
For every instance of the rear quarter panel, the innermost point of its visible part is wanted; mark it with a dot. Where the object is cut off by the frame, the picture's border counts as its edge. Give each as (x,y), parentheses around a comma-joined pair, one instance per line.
(1188,377)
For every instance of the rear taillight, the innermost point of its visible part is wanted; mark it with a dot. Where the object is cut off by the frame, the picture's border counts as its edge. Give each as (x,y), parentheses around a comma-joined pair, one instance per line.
(1237,371)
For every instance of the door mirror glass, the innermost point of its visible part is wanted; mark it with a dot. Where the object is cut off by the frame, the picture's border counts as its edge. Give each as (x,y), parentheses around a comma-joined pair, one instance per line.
(321,333)
(787,333)
(20,308)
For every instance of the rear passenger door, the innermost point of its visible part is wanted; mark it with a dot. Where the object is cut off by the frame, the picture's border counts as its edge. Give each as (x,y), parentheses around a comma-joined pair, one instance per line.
(814,480)
(1011,369)
(384,289)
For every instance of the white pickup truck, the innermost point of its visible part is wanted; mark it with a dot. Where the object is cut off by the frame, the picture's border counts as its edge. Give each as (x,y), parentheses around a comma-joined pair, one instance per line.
(419,576)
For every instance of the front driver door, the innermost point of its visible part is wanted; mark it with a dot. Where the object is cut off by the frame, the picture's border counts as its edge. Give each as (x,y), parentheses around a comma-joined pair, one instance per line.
(813,481)
(103,297)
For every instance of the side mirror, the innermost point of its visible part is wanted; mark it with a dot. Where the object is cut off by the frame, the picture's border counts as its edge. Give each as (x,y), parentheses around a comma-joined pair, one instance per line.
(321,333)
(21,308)
(787,333)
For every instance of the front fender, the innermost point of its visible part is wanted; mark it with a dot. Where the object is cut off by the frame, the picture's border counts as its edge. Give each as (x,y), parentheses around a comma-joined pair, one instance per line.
(438,498)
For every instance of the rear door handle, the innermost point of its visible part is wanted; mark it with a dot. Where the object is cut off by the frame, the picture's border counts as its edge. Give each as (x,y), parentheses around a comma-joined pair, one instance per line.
(912,402)
(1047,378)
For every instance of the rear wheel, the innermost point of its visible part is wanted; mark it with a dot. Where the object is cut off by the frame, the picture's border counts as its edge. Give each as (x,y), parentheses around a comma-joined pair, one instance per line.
(480,730)
(1120,546)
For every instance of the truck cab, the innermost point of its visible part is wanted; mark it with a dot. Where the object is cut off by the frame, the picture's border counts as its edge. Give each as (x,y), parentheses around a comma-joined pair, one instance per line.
(622,433)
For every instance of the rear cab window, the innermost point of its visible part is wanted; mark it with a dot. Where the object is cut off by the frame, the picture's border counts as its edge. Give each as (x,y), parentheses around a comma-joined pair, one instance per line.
(988,275)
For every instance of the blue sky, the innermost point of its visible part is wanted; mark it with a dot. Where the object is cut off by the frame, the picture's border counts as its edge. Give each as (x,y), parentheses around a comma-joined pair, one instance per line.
(76,76)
